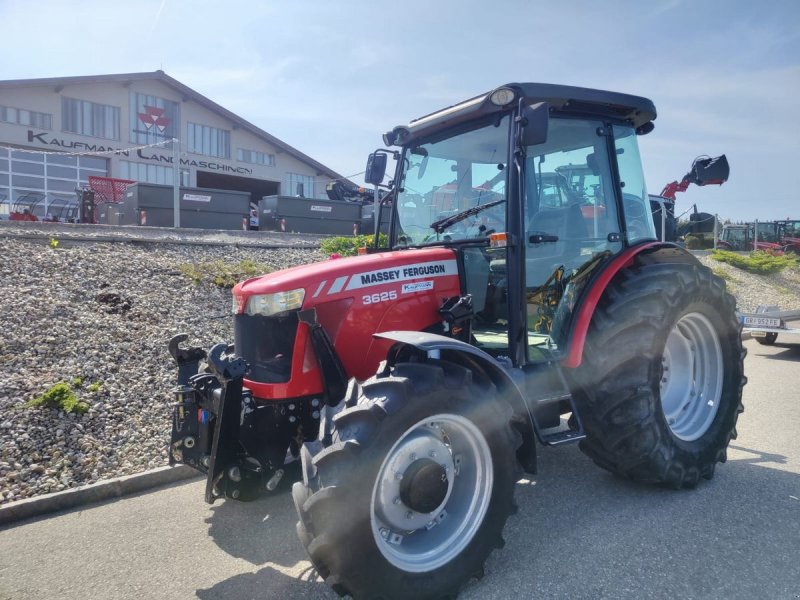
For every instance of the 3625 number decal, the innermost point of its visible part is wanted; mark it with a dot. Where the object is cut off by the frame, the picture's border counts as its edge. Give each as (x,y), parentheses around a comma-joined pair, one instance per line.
(381,297)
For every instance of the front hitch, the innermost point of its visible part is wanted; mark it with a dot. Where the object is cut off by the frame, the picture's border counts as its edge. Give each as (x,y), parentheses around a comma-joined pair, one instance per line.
(209,411)
(225,476)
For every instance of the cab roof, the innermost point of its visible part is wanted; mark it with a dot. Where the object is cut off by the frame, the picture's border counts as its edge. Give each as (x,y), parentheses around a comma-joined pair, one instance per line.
(562,99)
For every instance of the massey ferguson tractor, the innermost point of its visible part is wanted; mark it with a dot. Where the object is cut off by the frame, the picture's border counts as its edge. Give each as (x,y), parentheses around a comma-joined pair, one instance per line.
(414,382)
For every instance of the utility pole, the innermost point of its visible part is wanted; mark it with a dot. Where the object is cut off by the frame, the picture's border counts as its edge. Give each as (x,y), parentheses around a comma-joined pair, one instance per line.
(716,229)
(176,182)
(755,235)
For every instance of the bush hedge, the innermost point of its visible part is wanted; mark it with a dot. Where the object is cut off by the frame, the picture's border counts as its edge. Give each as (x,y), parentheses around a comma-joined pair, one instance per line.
(756,262)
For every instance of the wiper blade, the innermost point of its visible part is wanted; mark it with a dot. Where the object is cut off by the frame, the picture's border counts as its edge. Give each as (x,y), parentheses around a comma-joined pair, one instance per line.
(442,224)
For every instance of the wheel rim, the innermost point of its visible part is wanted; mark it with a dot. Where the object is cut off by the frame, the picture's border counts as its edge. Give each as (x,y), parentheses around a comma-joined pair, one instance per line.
(417,541)
(692,374)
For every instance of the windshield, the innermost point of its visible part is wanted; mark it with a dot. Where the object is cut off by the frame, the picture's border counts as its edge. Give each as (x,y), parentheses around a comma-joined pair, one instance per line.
(443,180)
(734,235)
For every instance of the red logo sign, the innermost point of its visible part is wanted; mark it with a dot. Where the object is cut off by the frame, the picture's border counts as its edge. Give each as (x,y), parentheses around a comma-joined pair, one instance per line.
(154,116)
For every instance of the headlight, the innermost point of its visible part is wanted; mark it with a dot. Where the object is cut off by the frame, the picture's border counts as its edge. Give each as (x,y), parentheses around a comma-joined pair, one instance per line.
(270,304)
(502,97)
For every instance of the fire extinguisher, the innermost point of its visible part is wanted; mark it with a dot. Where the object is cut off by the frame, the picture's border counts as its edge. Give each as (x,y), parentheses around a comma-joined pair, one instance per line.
(143,217)
(283,224)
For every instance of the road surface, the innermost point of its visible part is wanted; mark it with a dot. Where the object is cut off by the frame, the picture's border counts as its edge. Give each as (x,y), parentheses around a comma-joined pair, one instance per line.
(580,532)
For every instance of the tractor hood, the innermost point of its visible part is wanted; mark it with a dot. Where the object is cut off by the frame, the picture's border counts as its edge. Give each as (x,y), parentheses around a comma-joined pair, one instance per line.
(342,277)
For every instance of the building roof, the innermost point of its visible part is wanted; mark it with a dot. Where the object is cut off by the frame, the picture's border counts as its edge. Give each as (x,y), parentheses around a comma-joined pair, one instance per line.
(188,94)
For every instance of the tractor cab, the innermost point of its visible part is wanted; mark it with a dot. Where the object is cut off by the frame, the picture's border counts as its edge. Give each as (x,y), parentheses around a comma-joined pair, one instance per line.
(534,187)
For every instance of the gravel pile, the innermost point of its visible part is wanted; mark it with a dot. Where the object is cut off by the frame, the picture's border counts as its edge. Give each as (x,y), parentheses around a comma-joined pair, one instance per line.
(103,313)
(780,289)
(100,313)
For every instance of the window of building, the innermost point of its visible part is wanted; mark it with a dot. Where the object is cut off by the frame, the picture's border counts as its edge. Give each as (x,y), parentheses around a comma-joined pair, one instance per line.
(202,139)
(146,173)
(90,118)
(30,118)
(255,157)
(153,119)
(295,184)
(44,183)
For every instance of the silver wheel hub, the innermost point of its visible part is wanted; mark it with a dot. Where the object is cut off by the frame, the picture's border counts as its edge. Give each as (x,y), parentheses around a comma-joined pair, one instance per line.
(692,377)
(442,464)
(425,443)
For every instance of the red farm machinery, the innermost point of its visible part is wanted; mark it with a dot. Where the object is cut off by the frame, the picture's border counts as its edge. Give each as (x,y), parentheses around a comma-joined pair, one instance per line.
(415,382)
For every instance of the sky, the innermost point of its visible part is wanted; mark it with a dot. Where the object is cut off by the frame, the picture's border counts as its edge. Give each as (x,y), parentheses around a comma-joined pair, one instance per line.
(330,77)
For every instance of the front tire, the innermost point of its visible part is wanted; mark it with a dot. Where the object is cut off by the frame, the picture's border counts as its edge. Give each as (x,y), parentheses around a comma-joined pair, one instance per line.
(413,494)
(660,386)
(767,340)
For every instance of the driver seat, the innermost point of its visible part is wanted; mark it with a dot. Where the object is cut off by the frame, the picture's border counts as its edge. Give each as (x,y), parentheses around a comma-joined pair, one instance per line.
(569,226)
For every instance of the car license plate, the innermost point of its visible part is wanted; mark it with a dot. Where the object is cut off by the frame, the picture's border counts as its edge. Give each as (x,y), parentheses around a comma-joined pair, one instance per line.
(761,322)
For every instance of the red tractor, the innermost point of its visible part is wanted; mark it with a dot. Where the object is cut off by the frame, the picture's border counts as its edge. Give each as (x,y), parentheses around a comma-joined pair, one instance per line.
(743,237)
(789,235)
(415,381)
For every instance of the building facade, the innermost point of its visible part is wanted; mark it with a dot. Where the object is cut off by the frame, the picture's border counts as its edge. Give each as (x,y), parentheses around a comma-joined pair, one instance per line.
(55,133)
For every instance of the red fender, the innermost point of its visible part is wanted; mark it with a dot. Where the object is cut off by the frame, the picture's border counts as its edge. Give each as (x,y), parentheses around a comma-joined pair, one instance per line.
(625,259)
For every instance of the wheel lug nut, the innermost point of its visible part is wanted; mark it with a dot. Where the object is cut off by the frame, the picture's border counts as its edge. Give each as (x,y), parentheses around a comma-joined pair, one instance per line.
(413,456)
(433,453)
(384,532)
(398,476)
(409,514)
(397,500)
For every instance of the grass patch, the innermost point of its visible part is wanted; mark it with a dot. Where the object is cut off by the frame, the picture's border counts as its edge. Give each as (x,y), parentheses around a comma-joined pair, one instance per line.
(348,246)
(758,262)
(223,274)
(60,396)
(722,273)
(93,387)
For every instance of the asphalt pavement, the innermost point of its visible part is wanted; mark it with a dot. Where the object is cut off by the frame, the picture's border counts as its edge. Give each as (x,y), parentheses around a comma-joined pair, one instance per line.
(579,533)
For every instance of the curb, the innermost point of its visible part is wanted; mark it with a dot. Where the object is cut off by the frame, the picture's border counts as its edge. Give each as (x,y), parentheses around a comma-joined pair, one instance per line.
(95,492)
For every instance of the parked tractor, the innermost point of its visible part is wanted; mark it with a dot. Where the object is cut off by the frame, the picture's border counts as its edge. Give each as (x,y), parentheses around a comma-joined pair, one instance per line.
(789,235)
(415,382)
(743,237)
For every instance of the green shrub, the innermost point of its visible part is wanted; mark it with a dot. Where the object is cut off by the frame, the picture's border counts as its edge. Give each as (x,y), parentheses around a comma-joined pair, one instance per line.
(348,246)
(60,396)
(757,262)
(93,387)
(223,274)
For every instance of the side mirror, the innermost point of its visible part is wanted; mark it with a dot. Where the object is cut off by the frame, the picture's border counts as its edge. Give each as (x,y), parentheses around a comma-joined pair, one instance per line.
(534,121)
(376,168)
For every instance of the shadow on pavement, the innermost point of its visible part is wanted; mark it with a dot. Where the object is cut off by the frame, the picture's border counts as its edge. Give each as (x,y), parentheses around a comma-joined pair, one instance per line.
(268,583)
(260,531)
(790,351)
(583,533)
(263,531)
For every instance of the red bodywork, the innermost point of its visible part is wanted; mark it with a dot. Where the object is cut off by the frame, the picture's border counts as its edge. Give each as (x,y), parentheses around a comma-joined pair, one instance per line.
(791,243)
(18,216)
(587,307)
(355,298)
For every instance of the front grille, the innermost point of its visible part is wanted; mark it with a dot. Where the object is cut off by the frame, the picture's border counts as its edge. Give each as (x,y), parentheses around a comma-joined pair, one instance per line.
(266,343)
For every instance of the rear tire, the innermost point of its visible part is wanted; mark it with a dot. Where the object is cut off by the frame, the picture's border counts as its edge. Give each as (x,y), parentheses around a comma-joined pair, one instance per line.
(372,534)
(768,340)
(660,386)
